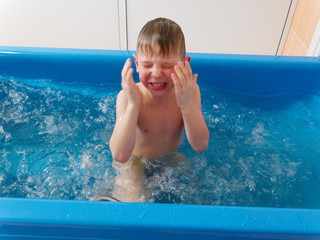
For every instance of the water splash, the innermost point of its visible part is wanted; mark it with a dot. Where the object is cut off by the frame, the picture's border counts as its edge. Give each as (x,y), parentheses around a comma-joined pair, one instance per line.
(262,152)
(53,140)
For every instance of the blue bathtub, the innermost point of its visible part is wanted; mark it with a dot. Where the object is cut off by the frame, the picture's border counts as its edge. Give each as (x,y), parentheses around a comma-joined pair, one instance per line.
(60,219)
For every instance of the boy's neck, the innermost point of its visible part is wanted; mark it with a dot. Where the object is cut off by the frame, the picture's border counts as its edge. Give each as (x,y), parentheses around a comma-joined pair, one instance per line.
(159,99)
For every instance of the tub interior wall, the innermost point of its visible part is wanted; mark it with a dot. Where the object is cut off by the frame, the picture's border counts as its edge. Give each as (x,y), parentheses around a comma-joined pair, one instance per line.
(245,74)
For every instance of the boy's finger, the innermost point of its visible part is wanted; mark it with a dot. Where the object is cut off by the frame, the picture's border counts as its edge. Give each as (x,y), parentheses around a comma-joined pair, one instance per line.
(175,80)
(188,67)
(178,71)
(126,66)
(128,76)
(184,71)
(128,61)
(195,77)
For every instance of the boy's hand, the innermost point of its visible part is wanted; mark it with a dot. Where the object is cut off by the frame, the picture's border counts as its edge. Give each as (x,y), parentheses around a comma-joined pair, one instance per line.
(184,83)
(130,88)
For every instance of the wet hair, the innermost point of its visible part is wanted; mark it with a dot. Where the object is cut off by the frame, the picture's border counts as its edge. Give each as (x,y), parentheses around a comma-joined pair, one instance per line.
(163,33)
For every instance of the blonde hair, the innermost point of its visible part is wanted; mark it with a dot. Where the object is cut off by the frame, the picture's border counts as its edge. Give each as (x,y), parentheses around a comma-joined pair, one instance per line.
(163,33)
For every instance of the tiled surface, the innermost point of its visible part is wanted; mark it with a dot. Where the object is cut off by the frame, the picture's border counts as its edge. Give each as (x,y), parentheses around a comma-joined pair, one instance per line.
(305,19)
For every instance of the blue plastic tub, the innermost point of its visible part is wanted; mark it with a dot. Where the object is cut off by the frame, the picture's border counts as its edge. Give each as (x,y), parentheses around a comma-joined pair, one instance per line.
(60,219)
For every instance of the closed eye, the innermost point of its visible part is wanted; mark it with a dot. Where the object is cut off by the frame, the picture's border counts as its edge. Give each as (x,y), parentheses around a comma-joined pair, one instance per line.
(147,65)
(167,66)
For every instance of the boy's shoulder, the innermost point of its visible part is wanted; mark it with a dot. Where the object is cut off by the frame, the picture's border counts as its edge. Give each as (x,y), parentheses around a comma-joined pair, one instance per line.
(122,99)
(121,95)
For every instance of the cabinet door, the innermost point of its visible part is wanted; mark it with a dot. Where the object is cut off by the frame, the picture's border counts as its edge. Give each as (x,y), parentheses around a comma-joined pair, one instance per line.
(217,26)
(60,23)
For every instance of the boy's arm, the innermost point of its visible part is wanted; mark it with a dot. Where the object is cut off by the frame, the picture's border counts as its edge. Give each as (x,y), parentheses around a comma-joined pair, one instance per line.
(196,128)
(189,100)
(123,138)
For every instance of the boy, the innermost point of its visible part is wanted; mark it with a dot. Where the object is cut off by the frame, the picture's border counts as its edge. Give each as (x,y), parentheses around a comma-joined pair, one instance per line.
(152,114)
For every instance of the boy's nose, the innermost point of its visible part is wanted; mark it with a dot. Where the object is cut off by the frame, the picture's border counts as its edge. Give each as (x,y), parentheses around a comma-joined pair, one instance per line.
(156,73)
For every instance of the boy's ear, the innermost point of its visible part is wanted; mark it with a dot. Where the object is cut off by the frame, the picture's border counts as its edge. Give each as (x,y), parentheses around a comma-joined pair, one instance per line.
(187,58)
(135,58)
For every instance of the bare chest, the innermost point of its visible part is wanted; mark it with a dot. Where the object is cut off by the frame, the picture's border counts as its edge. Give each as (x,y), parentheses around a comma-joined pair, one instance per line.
(160,123)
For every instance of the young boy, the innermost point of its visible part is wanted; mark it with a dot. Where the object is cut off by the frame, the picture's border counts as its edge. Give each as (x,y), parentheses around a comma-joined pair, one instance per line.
(152,114)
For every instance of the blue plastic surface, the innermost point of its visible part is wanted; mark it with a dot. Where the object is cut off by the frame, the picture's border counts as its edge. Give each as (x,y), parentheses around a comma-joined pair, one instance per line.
(58,219)
(103,220)
(247,74)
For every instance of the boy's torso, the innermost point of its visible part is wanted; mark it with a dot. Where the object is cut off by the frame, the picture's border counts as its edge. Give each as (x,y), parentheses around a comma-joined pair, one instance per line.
(159,128)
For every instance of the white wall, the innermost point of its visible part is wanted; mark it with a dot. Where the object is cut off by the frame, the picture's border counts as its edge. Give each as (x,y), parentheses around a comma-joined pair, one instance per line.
(217,26)
(60,23)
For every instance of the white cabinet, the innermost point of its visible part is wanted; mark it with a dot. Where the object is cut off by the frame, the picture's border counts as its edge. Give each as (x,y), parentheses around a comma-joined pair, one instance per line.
(60,23)
(213,26)
(218,26)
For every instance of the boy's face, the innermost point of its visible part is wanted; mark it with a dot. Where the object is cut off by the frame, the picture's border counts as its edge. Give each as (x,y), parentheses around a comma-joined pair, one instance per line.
(155,71)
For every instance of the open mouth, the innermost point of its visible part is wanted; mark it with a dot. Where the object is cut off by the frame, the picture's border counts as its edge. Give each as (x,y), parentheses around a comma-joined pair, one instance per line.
(158,86)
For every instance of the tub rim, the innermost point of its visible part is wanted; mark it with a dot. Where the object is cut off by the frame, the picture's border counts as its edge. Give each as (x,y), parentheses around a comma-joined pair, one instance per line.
(200,220)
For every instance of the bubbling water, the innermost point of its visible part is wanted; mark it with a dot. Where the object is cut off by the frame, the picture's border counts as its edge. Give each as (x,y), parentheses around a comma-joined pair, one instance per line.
(53,139)
(262,151)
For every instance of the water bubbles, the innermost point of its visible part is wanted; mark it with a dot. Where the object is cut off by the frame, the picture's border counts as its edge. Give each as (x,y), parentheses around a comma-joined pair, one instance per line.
(86,161)
(53,140)
(257,147)
(54,144)
(273,179)
(215,107)
(4,136)
(104,105)
(17,97)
